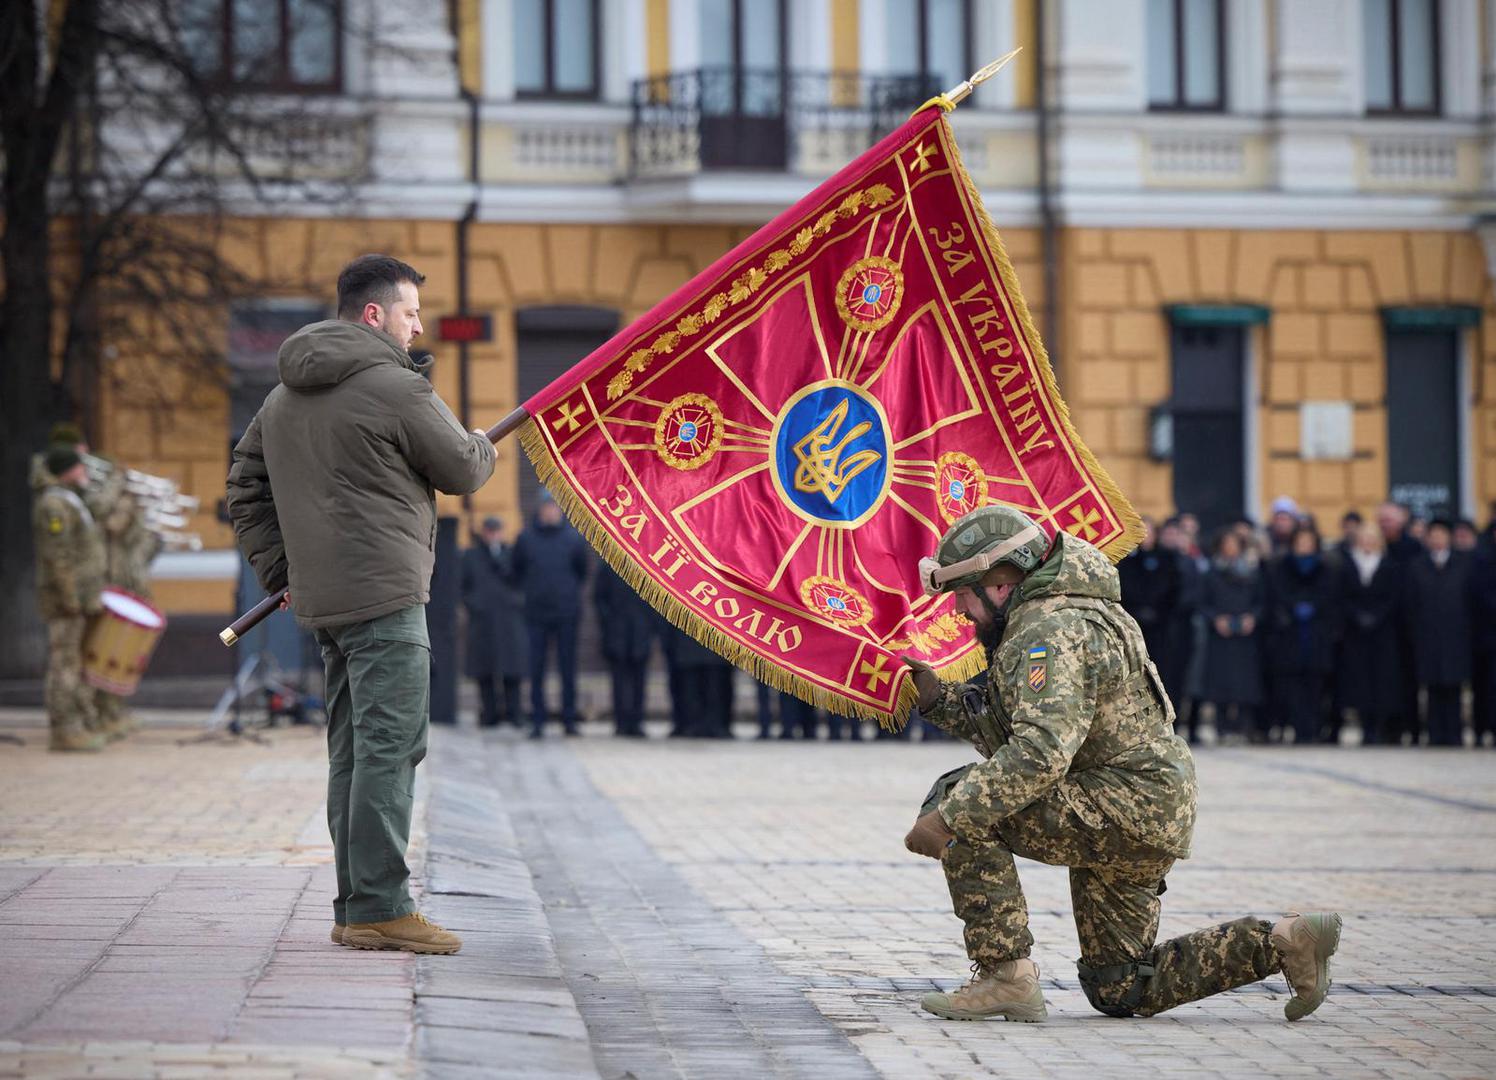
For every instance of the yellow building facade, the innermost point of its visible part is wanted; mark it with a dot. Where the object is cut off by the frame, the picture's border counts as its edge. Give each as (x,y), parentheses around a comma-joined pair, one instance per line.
(1321,233)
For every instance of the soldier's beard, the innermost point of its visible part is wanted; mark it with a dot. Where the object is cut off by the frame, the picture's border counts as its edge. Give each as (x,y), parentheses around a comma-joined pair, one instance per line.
(990,633)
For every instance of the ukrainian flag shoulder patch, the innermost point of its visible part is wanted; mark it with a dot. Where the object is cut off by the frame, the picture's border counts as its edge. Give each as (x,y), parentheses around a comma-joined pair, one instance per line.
(1038,668)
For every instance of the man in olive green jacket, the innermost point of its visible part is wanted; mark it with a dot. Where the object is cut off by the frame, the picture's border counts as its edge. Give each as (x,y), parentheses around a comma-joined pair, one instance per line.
(331,494)
(1081,769)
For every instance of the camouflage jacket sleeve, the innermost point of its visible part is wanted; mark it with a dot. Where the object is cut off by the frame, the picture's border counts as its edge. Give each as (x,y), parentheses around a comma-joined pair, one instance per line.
(57,529)
(1049,676)
(954,712)
(251,506)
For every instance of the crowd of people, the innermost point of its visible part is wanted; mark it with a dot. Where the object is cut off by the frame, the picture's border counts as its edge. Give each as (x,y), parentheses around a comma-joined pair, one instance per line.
(1280,634)
(1271,634)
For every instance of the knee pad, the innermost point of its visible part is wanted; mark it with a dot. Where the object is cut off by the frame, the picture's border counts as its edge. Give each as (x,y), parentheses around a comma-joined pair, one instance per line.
(1116,990)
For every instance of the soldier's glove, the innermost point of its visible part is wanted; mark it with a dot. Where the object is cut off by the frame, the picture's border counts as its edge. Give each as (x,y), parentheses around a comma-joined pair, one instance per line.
(930,837)
(925,681)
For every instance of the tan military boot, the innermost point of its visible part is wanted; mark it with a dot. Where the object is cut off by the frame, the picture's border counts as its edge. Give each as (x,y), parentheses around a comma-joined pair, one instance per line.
(75,738)
(1306,943)
(337,933)
(409,933)
(1009,991)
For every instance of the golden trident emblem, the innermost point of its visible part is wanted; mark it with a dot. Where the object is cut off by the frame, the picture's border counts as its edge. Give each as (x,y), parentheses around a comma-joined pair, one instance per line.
(821,466)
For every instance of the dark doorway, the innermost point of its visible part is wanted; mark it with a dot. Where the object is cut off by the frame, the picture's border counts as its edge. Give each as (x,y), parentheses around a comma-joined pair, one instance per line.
(1209,428)
(1423,420)
(553,340)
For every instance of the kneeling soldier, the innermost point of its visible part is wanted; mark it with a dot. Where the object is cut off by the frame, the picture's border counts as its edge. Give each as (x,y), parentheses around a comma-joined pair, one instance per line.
(1082,769)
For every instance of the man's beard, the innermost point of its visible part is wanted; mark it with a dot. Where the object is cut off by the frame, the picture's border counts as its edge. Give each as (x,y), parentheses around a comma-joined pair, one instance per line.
(990,634)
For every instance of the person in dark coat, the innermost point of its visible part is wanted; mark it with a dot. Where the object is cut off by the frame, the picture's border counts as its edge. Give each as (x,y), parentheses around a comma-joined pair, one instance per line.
(1232,602)
(797,719)
(1402,548)
(627,625)
(1303,624)
(1438,608)
(1483,640)
(550,564)
(1152,581)
(497,649)
(1182,676)
(700,689)
(1368,673)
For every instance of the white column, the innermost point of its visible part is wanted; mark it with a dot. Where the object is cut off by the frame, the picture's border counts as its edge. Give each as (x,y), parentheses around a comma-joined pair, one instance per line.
(1317,70)
(1101,50)
(1098,52)
(1246,57)
(623,33)
(1459,59)
(685,35)
(809,34)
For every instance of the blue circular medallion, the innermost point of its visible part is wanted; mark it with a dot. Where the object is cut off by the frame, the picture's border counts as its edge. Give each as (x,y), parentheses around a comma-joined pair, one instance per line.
(831,453)
(836,603)
(872,293)
(958,490)
(687,432)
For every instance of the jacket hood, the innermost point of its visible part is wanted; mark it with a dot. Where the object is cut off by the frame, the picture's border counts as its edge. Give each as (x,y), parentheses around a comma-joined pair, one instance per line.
(1074,568)
(325,353)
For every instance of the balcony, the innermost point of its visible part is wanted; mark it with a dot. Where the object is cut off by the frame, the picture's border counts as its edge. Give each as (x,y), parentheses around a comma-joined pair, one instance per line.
(808,123)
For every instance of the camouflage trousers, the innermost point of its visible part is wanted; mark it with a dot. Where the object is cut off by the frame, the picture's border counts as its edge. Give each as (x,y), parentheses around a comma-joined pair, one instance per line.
(1115,885)
(71,702)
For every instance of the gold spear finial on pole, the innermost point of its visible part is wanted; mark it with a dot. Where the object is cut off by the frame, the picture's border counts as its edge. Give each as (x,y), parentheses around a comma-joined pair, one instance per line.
(961,91)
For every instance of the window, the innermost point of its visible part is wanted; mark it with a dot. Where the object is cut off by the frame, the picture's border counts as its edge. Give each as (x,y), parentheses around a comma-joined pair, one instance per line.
(1185,52)
(930,39)
(555,48)
(743,57)
(266,44)
(1402,56)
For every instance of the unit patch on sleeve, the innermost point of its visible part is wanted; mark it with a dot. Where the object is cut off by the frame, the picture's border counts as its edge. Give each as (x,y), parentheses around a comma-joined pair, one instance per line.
(1038,669)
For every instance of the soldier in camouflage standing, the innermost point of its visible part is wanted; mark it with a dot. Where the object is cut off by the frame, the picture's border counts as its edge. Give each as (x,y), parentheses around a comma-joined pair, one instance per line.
(1082,769)
(69,574)
(130,546)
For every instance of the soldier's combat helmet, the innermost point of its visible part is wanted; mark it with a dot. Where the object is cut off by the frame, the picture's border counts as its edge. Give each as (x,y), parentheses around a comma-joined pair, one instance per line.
(986,537)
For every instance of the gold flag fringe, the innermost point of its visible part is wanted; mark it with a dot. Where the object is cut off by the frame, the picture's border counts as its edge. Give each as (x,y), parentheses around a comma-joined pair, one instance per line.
(686,618)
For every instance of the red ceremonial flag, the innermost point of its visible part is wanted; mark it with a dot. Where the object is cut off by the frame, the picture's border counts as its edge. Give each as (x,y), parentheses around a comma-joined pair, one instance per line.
(768,453)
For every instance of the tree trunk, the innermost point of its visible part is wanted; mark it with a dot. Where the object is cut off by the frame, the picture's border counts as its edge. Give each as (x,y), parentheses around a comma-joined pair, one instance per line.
(27,401)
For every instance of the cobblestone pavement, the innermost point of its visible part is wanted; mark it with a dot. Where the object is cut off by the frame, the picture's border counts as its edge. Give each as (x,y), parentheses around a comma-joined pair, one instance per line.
(164,910)
(799,848)
(703,908)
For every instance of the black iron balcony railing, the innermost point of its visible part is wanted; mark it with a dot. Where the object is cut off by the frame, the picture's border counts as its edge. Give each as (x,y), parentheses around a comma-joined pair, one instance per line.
(753,118)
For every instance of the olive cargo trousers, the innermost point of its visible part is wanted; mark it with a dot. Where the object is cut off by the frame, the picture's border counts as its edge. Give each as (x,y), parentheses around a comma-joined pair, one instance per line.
(378,697)
(1115,883)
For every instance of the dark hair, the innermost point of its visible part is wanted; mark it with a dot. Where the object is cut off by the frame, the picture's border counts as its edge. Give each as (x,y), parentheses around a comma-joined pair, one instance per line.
(1353,516)
(1304,527)
(372,279)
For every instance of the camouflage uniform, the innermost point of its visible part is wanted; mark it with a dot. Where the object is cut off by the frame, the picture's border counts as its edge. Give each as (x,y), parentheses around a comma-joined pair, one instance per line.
(129,549)
(70,574)
(1082,769)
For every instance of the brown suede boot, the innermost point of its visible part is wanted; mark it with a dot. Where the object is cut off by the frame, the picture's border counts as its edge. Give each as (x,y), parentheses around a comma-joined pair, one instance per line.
(409,933)
(1009,991)
(74,738)
(337,933)
(1306,943)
